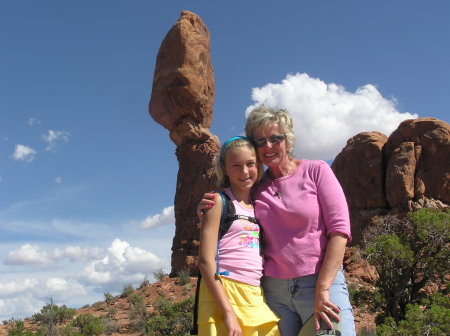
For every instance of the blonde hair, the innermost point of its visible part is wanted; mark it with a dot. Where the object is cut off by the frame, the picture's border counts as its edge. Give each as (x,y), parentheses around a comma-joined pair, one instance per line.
(262,116)
(232,143)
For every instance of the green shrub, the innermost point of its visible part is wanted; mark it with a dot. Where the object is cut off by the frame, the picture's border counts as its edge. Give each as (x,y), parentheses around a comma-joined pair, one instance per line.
(109,326)
(138,313)
(111,311)
(170,318)
(108,298)
(17,328)
(86,325)
(159,274)
(135,299)
(409,254)
(433,320)
(54,314)
(127,291)
(184,277)
(50,316)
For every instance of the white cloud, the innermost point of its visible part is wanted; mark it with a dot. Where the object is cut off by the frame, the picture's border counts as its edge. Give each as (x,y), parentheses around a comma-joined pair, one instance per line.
(33,121)
(31,255)
(54,137)
(23,153)
(26,255)
(20,306)
(326,115)
(21,298)
(98,271)
(13,288)
(123,264)
(167,217)
(58,179)
(58,288)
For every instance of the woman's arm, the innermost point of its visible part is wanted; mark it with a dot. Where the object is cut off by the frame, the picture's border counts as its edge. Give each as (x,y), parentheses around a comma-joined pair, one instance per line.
(207,265)
(332,261)
(206,203)
(334,209)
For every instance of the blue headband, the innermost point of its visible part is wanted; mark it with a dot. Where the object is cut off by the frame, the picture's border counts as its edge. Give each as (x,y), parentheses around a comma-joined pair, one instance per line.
(230,140)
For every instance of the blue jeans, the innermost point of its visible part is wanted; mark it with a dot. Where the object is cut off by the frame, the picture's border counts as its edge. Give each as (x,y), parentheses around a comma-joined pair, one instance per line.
(293,301)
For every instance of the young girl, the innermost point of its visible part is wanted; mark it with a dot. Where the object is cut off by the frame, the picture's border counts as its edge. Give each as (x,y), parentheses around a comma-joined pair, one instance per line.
(231,300)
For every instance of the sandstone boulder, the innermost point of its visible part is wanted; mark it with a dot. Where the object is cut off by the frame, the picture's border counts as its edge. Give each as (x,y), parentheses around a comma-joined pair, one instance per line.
(432,140)
(360,169)
(405,172)
(400,175)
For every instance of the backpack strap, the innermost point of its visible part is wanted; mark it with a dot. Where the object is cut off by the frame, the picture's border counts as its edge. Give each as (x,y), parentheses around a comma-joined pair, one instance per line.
(223,228)
(227,206)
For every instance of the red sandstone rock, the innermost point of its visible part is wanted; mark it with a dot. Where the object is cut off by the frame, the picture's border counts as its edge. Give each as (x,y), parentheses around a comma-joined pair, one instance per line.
(407,171)
(359,168)
(182,101)
(432,173)
(183,84)
(400,175)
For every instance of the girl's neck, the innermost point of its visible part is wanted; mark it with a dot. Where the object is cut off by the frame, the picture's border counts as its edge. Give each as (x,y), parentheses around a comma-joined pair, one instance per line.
(242,196)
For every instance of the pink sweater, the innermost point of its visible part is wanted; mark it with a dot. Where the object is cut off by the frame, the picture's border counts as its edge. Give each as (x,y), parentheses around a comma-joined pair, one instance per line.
(298,212)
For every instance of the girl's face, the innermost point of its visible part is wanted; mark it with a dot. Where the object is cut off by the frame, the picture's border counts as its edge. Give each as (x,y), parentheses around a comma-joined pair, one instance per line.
(241,167)
(271,154)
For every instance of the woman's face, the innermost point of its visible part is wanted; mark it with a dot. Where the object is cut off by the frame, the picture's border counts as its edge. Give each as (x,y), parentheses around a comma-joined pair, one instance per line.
(271,154)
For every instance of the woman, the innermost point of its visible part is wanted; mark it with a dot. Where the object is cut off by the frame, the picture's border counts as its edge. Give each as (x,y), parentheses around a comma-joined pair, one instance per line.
(303,211)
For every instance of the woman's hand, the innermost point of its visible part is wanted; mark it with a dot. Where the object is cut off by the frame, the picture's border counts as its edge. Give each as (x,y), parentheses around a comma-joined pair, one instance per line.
(206,203)
(232,324)
(324,309)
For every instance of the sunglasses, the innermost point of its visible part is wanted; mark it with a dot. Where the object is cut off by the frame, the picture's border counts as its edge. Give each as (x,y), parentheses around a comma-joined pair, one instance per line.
(273,140)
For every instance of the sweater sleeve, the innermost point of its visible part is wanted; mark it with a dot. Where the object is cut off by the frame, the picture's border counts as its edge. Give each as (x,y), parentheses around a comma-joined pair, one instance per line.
(332,201)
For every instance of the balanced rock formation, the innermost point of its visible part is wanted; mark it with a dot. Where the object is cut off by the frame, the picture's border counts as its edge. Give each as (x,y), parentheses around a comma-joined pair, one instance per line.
(182,101)
(407,171)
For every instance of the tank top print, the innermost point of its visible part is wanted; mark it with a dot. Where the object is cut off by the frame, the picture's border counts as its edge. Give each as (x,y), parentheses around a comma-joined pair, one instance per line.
(239,248)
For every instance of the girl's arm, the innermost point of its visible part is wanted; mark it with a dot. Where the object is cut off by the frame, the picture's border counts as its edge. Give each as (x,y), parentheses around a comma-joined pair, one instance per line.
(207,264)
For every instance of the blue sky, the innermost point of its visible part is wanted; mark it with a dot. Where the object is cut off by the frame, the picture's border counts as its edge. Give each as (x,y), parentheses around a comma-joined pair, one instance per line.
(87,178)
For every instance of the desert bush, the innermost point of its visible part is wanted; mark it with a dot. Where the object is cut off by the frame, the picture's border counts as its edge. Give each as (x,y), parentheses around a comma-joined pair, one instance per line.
(159,274)
(127,291)
(367,332)
(109,326)
(144,283)
(135,299)
(111,311)
(52,313)
(138,313)
(409,254)
(17,328)
(431,317)
(109,298)
(170,318)
(183,277)
(85,325)
(50,316)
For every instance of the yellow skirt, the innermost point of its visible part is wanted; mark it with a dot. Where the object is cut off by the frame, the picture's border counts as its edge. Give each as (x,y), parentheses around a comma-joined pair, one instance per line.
(253,314)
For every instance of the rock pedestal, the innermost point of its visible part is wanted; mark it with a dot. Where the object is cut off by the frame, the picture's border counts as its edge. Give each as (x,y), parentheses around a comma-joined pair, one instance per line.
(182,101)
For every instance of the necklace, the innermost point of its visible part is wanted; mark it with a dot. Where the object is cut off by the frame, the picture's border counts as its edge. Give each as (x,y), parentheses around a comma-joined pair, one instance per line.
(275,190)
